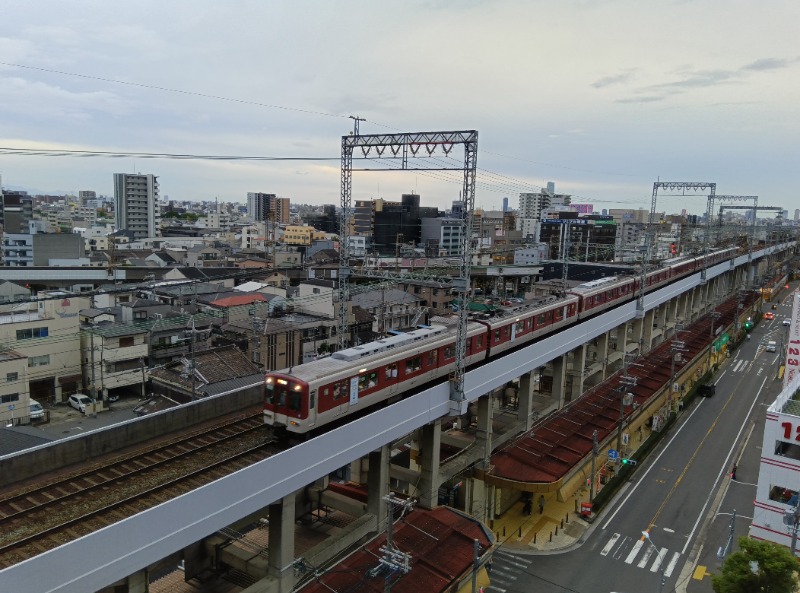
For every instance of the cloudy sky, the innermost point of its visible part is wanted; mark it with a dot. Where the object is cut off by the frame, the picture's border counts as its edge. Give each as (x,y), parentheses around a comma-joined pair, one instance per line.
(602,97)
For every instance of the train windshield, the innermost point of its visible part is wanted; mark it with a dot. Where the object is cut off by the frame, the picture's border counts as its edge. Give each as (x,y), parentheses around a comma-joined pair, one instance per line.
(281,393)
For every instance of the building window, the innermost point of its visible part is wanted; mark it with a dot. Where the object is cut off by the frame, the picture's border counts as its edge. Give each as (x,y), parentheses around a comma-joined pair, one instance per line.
(126,342)
(10,377)
(10,398)
(39,361)
(32,332)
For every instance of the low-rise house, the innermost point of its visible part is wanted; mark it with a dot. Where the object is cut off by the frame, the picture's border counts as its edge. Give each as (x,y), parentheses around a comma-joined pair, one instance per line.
(11,292)
(14,396)
(221,371)
(114,359)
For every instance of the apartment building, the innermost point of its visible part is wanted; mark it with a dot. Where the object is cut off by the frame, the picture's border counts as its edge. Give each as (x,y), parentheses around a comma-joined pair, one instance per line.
(47,333)
(136,206)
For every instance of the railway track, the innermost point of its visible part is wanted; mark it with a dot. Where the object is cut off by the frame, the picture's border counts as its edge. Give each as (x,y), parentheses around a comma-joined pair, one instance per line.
(47,515)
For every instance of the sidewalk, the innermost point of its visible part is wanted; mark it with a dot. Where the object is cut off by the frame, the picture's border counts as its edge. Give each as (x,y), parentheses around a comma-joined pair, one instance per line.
(559,528)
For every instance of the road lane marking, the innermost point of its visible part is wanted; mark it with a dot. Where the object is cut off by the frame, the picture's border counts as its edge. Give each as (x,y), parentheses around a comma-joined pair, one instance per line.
(668,530)
(645,557)
(620,548)
(634,551)
(672,564)
(517,564)
(655,462)
(657,561)
(609,545)
(725,465)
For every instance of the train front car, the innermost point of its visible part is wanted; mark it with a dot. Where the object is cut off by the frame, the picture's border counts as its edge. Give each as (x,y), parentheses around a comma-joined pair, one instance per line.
(286,402)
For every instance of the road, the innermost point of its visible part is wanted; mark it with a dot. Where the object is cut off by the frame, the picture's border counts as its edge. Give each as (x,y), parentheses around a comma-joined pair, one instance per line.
(683,495)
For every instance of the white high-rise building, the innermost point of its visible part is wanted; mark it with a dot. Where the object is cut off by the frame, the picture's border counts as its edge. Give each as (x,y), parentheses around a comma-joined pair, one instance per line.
(532,205)
(136,204)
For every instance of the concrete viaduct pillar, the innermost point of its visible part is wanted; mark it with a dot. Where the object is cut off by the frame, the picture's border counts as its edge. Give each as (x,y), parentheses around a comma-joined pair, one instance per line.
(525,400)
(429,457)
(559,380)
(281,542)
(578,365)
(378,484)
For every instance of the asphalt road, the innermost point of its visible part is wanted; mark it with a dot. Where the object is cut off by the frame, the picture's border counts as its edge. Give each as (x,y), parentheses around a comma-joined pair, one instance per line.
(682,495)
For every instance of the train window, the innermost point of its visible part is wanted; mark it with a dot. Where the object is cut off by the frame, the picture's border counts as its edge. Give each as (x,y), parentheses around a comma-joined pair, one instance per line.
(270,387)
(340,389)
(519,327)
(540,319)
(450,352)
(413,365)
(559,314)
(367,380)
(479,342)
(295,400)
(391,370)
(433,358)
(497,335)
(312,399)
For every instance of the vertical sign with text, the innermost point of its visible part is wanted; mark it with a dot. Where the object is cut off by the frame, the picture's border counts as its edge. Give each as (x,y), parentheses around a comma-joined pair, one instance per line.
(793,342)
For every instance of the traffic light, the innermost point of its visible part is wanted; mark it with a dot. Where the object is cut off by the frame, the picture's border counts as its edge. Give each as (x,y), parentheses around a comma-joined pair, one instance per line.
(628,461)
(748,324)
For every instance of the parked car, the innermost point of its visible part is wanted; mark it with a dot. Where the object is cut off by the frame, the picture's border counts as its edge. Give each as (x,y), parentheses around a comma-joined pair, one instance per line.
(772,346)
(787,321)
(36,410)
(80,402)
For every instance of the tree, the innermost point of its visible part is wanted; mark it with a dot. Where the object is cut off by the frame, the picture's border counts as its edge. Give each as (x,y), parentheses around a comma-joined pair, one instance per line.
(758,566)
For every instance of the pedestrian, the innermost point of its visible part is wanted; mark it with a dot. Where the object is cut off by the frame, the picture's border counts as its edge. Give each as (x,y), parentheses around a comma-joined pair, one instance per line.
(526,508)
(489,566)
(541,504)
(733,472)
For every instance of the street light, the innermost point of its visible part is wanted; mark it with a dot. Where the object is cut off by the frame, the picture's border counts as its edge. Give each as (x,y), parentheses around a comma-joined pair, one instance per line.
(646,535)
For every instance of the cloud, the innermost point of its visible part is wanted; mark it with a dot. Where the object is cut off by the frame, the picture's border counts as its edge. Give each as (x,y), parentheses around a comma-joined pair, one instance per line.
(613,79)
(691,79)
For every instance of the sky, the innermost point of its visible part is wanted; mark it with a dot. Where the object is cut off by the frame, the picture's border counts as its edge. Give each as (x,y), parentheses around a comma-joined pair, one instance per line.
(603,98)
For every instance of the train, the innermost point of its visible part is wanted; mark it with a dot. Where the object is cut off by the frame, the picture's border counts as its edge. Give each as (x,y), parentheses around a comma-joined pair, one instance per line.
(308,397)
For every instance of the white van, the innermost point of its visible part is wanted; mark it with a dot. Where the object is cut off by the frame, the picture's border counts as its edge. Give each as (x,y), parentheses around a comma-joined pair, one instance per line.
(772,346)
(36,410)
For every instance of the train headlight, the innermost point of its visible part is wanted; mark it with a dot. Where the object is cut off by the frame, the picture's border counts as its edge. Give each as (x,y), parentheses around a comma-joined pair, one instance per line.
(297,387)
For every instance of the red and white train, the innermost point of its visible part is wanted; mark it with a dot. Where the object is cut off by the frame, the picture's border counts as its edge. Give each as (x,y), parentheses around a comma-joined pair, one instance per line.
(309,396)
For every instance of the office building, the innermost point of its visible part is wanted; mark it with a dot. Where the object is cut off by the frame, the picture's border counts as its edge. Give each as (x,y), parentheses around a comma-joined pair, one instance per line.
(136,204)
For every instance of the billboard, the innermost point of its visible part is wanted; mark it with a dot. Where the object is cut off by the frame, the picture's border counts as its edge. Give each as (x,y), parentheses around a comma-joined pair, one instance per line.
(793,342)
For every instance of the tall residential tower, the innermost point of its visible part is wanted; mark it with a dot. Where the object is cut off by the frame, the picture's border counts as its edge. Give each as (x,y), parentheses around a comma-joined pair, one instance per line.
(136,204)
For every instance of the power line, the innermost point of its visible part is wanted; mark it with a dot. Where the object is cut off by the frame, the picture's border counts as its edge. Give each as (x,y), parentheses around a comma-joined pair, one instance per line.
(152,155)
(171,90)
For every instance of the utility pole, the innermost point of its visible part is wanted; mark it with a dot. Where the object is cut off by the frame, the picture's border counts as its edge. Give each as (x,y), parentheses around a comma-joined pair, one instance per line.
(594,456)
(191,346)
(144,379)
(93,389)
(391,557)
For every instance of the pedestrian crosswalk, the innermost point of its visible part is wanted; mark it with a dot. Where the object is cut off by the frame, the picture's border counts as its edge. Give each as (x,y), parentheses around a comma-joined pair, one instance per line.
(640,553)
(507,570)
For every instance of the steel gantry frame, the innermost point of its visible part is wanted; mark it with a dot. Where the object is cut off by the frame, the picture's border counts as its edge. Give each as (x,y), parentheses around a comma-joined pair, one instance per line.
(725,198)
(683,187)
(404,147)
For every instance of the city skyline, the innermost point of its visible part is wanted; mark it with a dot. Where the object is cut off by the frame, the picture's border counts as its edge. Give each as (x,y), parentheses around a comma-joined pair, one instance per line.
(601,98)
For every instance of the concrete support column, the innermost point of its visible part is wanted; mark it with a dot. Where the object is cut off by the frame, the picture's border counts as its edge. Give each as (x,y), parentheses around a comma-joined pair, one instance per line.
(281,542)
(478,499)
(578,365)
(58,393)
(638,333)
(647,331)
(525,400)
(601,348)
(378,484)
(483,436)
(138,582)
(559,379)
(429,457)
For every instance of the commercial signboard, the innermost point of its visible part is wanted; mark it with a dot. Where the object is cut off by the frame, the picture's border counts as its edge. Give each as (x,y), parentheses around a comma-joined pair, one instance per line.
(793,342)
